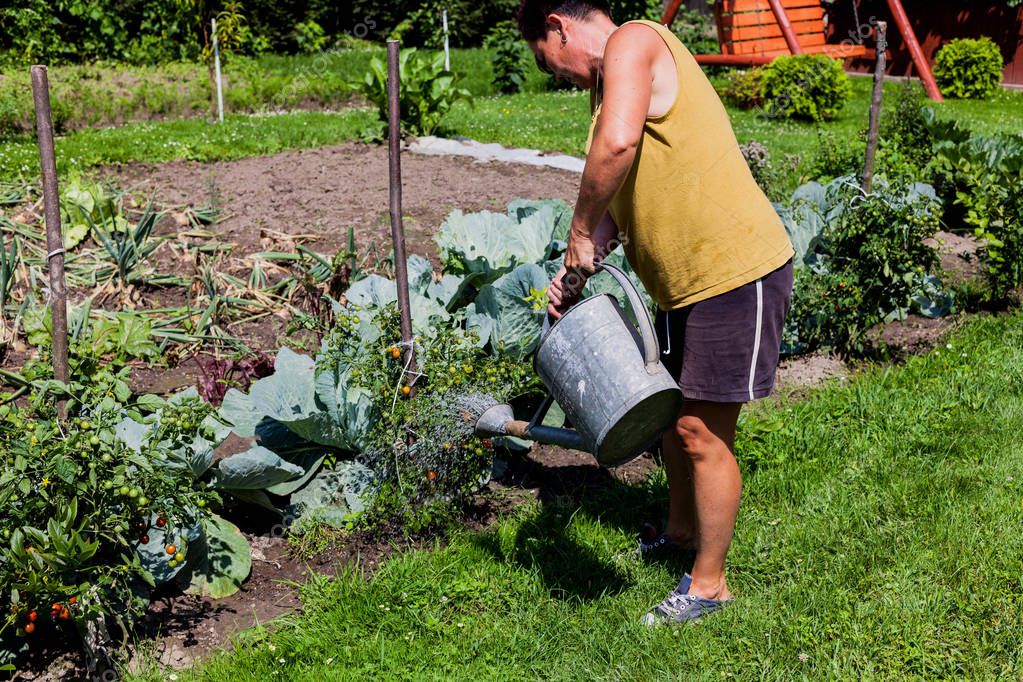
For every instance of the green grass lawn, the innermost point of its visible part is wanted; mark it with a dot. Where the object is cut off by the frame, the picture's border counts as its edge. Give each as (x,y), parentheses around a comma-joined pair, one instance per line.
(879,538)
(559,122)
(550,121)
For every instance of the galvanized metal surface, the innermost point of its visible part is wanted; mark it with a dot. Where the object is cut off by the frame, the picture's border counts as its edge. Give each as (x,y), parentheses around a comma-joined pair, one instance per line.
(607,375)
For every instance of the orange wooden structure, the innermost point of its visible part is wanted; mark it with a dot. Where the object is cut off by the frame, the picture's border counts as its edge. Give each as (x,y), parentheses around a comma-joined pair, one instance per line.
(757,31)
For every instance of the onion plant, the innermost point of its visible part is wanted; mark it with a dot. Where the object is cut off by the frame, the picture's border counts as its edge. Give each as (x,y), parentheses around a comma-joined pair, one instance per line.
(130,248)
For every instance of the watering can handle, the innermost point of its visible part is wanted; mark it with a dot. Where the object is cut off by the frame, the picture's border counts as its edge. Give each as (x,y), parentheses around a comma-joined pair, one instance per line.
(651,351)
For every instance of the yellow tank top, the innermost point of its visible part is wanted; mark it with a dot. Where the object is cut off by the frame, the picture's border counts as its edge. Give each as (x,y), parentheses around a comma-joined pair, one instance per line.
(693,221)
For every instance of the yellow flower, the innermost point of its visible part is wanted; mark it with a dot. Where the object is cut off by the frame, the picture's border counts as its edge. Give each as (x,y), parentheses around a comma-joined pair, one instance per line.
(45,481)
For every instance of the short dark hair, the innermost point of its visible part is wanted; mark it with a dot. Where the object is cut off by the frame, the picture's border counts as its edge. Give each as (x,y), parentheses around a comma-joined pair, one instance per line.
(533,14)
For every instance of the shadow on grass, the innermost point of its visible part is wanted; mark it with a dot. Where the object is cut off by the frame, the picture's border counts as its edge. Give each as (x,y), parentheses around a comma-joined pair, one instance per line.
(548,541)
(569,567)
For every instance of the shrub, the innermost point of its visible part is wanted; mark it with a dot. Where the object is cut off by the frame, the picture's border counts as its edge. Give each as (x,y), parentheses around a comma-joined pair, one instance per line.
(812,87)
(309,36)
(697,31)
(832,159)
(968,68)
(427,90)
(864,259)
(745,88)
(906,141)
(509,57)
(983,177)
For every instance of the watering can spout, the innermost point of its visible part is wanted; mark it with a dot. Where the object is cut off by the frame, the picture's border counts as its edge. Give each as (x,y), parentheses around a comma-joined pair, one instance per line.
(500,421)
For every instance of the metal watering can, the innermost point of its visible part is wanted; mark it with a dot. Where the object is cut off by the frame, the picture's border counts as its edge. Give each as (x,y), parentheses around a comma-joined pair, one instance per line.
(605,375)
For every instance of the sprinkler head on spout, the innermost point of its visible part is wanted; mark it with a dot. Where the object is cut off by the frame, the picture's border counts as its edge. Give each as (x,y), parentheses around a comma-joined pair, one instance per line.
(494,421)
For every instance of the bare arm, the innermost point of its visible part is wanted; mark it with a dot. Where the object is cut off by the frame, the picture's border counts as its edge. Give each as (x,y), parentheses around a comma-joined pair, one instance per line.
(628,82)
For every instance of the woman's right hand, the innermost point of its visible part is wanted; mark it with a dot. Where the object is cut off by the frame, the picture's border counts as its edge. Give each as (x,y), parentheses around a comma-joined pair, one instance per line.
(561,295)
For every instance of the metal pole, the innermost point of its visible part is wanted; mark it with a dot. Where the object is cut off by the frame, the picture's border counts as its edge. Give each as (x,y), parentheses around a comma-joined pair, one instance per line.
(902,21)
(51,210)
(875,107)
(216,66)
(397,228)
(447,42)
(786,26)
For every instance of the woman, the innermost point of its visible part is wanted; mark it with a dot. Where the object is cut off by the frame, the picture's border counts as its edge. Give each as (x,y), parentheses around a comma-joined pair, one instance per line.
(664,176)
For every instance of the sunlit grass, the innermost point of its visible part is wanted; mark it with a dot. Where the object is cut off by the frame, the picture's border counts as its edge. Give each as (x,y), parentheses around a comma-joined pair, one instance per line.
(878,538)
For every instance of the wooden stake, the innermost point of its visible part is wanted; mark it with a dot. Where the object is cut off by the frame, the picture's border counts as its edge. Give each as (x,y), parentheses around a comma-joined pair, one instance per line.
(875,107)
(397,227)
(51,210)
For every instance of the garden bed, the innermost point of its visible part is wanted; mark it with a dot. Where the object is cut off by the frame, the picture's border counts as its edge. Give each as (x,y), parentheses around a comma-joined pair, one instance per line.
(311,198)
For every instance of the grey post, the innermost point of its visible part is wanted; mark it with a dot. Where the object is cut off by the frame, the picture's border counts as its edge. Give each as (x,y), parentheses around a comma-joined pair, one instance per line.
(875,108)
(51,209)
(397,228)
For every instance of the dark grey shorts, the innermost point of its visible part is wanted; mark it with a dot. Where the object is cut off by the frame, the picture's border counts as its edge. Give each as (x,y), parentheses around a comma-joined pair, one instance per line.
(725,349)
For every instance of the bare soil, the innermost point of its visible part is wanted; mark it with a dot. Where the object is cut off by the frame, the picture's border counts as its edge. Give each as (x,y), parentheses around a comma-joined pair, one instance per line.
(322,192)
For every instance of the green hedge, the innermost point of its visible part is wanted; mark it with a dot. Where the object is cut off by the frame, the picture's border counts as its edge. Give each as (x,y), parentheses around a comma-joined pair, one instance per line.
(969,68)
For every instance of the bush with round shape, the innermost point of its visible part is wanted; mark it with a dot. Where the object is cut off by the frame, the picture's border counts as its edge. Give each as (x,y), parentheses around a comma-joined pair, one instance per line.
(810,87)
(969,68)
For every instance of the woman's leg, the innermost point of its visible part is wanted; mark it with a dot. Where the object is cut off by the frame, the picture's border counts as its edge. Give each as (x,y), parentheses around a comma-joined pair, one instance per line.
(681,525)
(706,434)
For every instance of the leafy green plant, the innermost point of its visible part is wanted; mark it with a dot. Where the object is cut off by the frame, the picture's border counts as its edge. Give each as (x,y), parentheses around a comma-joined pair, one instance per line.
(509,57)
(982,178)
(427,90)
(833,159)
(9,261)
(309,36)
(809,86)
(863,259)
(129,249)
(744,87)
(82,508)
(358,403)
(697,31)
(86,204)
(969,68)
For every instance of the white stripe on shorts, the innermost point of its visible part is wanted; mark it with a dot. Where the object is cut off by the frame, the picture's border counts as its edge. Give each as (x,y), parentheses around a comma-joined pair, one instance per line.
(756,339)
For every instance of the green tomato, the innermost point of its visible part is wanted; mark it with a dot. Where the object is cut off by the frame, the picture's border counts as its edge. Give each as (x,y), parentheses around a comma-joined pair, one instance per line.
(172,563)
(179,557)
(107,485)
(133,493)
(94,440)
(124,490)
(85,424)
(107,459)
(143,501)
